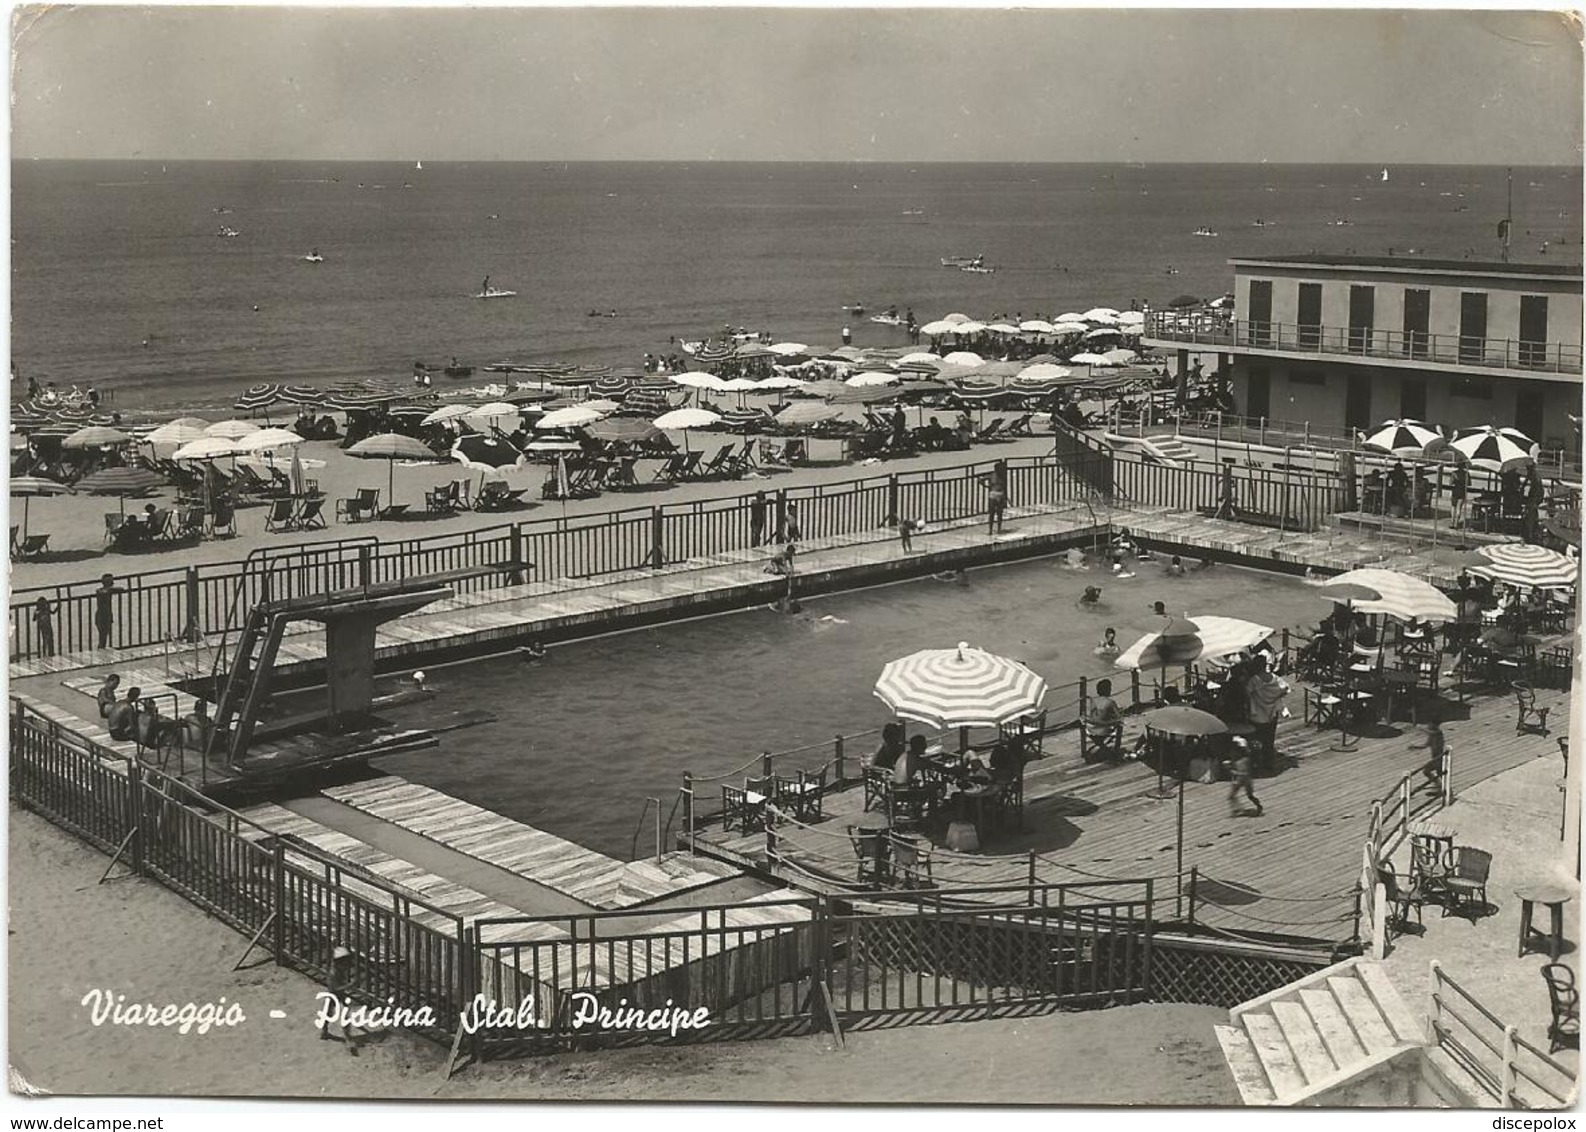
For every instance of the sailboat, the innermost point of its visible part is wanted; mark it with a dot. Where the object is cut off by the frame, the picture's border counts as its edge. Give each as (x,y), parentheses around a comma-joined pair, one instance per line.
(1384,172)
(419,165)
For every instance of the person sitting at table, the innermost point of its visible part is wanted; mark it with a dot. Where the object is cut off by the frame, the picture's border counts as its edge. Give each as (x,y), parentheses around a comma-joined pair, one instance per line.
(1398,487)
(891,749)
(910,763)
(122,718)
(934,435)
(1104,720)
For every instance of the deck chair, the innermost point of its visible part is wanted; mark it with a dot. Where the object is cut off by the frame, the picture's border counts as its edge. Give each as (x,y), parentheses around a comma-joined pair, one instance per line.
(801,796)
(1019,426)
(191,523)
(1364,661)
(33,546)
(310,516)
(114,521)
(160,525)
(1105,740)
(911,861)
(1467,884)
(992,431)
(909,807)
(1530,719)
(1564,1001)
(773,456)
(223,518)
(672,470)
(280,516)
(868,855)
(718,463)
(364,505)
(878,782)
(743,808)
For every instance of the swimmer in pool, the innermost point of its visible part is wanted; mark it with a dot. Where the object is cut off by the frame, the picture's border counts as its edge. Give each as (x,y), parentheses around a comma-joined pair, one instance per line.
(1176,567)
(1091,597)
(1159,608)
(956,577)
(1109,643)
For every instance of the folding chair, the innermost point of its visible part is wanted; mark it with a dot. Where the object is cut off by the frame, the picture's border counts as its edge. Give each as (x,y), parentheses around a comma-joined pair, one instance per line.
(718,462)
(1104,739)
(114,521)
(869,855)
(33,546)
(877,781)
(742,807)
(909,807)
(1322,707)
(364,505)
(911,861)
(223,517)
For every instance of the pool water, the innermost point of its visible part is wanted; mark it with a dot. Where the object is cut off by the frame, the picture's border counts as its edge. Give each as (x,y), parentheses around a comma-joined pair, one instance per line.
(583,736)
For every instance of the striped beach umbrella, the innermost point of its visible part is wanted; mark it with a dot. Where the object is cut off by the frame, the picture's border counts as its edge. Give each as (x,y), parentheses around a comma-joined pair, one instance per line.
(611,386)
(1213,637)
(959,687)
(174,433)
(231,430)
(121,482)
(264,439)
(1494,449)
(303,395)
(1403,438)
(624,430)
(260,396)
(26,416)
(1521,564)
(1398,595)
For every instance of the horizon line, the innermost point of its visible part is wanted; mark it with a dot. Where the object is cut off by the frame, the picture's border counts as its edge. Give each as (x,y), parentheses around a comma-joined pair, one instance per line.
(785,161)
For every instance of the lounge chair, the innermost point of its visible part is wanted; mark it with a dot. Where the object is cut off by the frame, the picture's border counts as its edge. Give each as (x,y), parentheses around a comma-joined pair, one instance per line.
(33,546)
(690,467)
(280,516)
(1020,426)
(869,854)
(719,463)
(993,431)
(223,518)
(191,523)
(364,505)
(160,525)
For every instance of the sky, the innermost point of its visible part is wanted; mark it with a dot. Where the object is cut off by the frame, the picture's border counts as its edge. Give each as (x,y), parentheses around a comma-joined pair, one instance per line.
(823,84)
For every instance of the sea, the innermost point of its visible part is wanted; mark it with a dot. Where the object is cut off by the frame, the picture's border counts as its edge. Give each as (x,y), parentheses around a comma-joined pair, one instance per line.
(120,278)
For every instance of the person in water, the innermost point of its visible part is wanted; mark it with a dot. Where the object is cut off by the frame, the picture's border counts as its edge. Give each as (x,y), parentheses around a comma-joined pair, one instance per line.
(1176,566)
(1108,645)
(1091,596)
(1159,608)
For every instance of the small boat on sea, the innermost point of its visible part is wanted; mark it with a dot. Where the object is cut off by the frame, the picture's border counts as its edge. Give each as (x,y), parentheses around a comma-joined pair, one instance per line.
(418,166)
(1384,172)
(963,261)
(913,212)
(456,370)
(314,257)
(1342,222)
(496,293)
(855,308)
(977,269)
(1203,231)
(227,232)
(887,319)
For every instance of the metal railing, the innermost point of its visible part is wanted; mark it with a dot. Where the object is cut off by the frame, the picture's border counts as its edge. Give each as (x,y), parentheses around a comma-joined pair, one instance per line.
(1506,1066)
(1209,329)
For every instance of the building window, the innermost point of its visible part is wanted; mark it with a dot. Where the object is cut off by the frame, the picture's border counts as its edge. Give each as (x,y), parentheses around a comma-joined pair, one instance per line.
(1533,330)
(1475,388)
(1362,317)
(1259,319)
(1310,316)
(1307,377)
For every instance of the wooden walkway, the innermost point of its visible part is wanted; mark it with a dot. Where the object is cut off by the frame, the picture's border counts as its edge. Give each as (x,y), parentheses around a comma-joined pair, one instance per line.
(1291,871)
(593,878)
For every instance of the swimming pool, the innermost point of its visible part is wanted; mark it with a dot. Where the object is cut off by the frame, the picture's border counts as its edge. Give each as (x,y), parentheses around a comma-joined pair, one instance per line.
(585,735)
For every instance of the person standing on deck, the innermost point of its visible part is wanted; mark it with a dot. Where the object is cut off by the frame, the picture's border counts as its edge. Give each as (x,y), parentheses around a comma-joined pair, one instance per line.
(1535,495)
(791,530)
(757,516)
(1457,490)
(1264,693)
(44,626)
(996,499)
(104,609)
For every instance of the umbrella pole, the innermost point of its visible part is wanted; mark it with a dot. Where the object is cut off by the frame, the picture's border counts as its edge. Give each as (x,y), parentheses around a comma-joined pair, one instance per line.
(1178,880)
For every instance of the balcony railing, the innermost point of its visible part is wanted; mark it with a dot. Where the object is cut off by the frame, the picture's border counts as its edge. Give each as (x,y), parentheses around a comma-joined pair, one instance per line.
(1210,329)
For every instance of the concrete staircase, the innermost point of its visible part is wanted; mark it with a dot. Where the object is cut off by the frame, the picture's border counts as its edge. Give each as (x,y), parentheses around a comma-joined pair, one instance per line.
(1169,450)
(1318,1040)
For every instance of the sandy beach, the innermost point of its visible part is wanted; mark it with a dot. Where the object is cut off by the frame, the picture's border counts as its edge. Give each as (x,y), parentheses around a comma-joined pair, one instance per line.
(75,523)
(69,935)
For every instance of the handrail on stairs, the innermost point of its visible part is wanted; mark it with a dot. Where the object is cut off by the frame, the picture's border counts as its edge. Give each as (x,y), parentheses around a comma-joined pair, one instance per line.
(633,848)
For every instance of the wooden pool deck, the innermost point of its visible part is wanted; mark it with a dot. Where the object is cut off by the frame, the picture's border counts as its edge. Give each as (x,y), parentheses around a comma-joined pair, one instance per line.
(1290,871)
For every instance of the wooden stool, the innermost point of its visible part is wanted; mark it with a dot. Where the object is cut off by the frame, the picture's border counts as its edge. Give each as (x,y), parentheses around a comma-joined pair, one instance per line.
(1554,896)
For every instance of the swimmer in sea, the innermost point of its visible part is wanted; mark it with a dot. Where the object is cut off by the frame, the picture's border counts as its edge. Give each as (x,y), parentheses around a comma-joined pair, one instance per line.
(1091,596)
(1109,643)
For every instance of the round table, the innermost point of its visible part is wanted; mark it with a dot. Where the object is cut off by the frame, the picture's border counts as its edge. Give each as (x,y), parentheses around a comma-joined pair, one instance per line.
(1554,894)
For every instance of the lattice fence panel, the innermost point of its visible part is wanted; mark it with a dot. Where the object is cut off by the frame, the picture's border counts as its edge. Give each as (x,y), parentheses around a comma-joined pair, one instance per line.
(1213,978)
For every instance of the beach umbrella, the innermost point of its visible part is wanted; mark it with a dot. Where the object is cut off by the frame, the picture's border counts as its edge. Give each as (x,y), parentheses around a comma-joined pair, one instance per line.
(964,358)
(191,422)
(1395,594)
(939,327)
(553,444)
(969,326)
(207,448)
(682,420)
(1102,332)
(1120,357)
(782,381)
(956,318)
(753,350)
(1098,314)
(926,369)
(120,482)
(807,413)
(391,447)
(528,396)
(788,349)
(1069,317)
(1037,326)
(867,395)
(494,410)
(1043,371)
(231,430)
(486,453)
(920,356)
(1001,328)
(1213,637)
(174,433)
(1494,449)
(1069,327)
(1180,302)
(698,380)
(26,487)
(1131,318)
(959,687)
(1403,437)
(451,413)
(1521,564)
(573,416)
(1184,722)
(623,430)
(96,436)
(872,378)
(303,395)
(267,438)
(1088,359)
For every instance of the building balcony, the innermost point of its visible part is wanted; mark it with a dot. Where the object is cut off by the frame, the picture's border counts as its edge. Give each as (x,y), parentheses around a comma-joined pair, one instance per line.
(1210,331)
